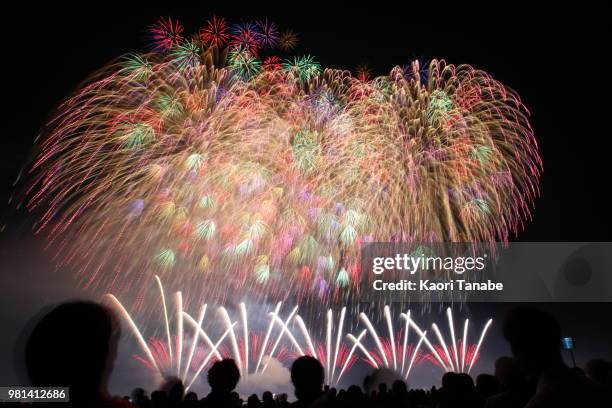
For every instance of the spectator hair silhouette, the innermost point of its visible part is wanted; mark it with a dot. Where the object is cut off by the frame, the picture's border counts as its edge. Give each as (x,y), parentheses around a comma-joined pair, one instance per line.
(223,376)
(534,337)
(487,385)
(74,345)
(535,340)
(599,370)
(307,376)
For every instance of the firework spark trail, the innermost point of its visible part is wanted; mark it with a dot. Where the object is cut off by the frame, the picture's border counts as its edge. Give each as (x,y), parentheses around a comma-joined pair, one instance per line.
(201,332)
(300,322)
(328,340)
(232,335)
(388,351)
(387,313)
(449,360)
(178,299)
(338,339)
(406,333)
(245,348)
(166,321)
(464,342)
(482,336)
(268,333)
(333,354)
(143,344)
(167,358)
(467,354)
(356,342)
(195,339)
(284,329)
(245,333)
(374,334)
(451,324)
(414,355)
(210,354)
(422,333)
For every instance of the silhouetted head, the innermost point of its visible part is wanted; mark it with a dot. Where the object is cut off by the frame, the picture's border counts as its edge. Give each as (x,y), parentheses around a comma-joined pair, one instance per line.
(307,376)
(534,337)
(487,385)
(139,397)
(253,400)
(159,397)
(174,388)
(191,398)
(399,387)
(354,391)
(507,372)
(267,396)
(450,382)
(599,370)
(74,345)
(382,388)
(578,371)
(465,381)
(223,376)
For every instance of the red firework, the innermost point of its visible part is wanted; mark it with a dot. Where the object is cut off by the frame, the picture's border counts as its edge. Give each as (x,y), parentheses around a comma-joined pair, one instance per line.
(273,63)
(470,349)
(166,33)
(215,33)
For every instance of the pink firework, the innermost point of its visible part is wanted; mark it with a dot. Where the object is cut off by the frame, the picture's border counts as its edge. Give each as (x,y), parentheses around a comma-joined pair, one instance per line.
(456,354)
(399,352)
(470,354)
(409,350)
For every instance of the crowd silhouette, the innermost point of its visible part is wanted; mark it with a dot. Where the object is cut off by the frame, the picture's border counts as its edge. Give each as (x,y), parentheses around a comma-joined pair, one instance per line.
(60,353)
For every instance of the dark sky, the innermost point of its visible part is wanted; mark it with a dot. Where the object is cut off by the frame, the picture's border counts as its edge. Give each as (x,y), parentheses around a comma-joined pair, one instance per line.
(554,60)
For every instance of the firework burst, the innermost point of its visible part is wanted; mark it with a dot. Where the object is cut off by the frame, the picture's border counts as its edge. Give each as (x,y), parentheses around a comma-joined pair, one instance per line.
(166,33)
(268,33)
(215,33)
(247,37)
(226,174)
(288,40)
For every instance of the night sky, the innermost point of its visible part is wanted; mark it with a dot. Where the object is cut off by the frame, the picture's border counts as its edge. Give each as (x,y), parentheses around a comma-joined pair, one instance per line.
(555,61)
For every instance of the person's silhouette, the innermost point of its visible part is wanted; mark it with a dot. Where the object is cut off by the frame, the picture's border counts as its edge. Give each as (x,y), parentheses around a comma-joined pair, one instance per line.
(307,376)
(175,391)
(535,340)
(223,377)
(600,371)
(515,390)
(267,400)
(487,385)
(75,346)
(253,401)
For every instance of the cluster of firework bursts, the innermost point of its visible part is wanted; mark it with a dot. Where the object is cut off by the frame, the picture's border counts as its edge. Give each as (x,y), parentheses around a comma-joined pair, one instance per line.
(221,163)
(187,352)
